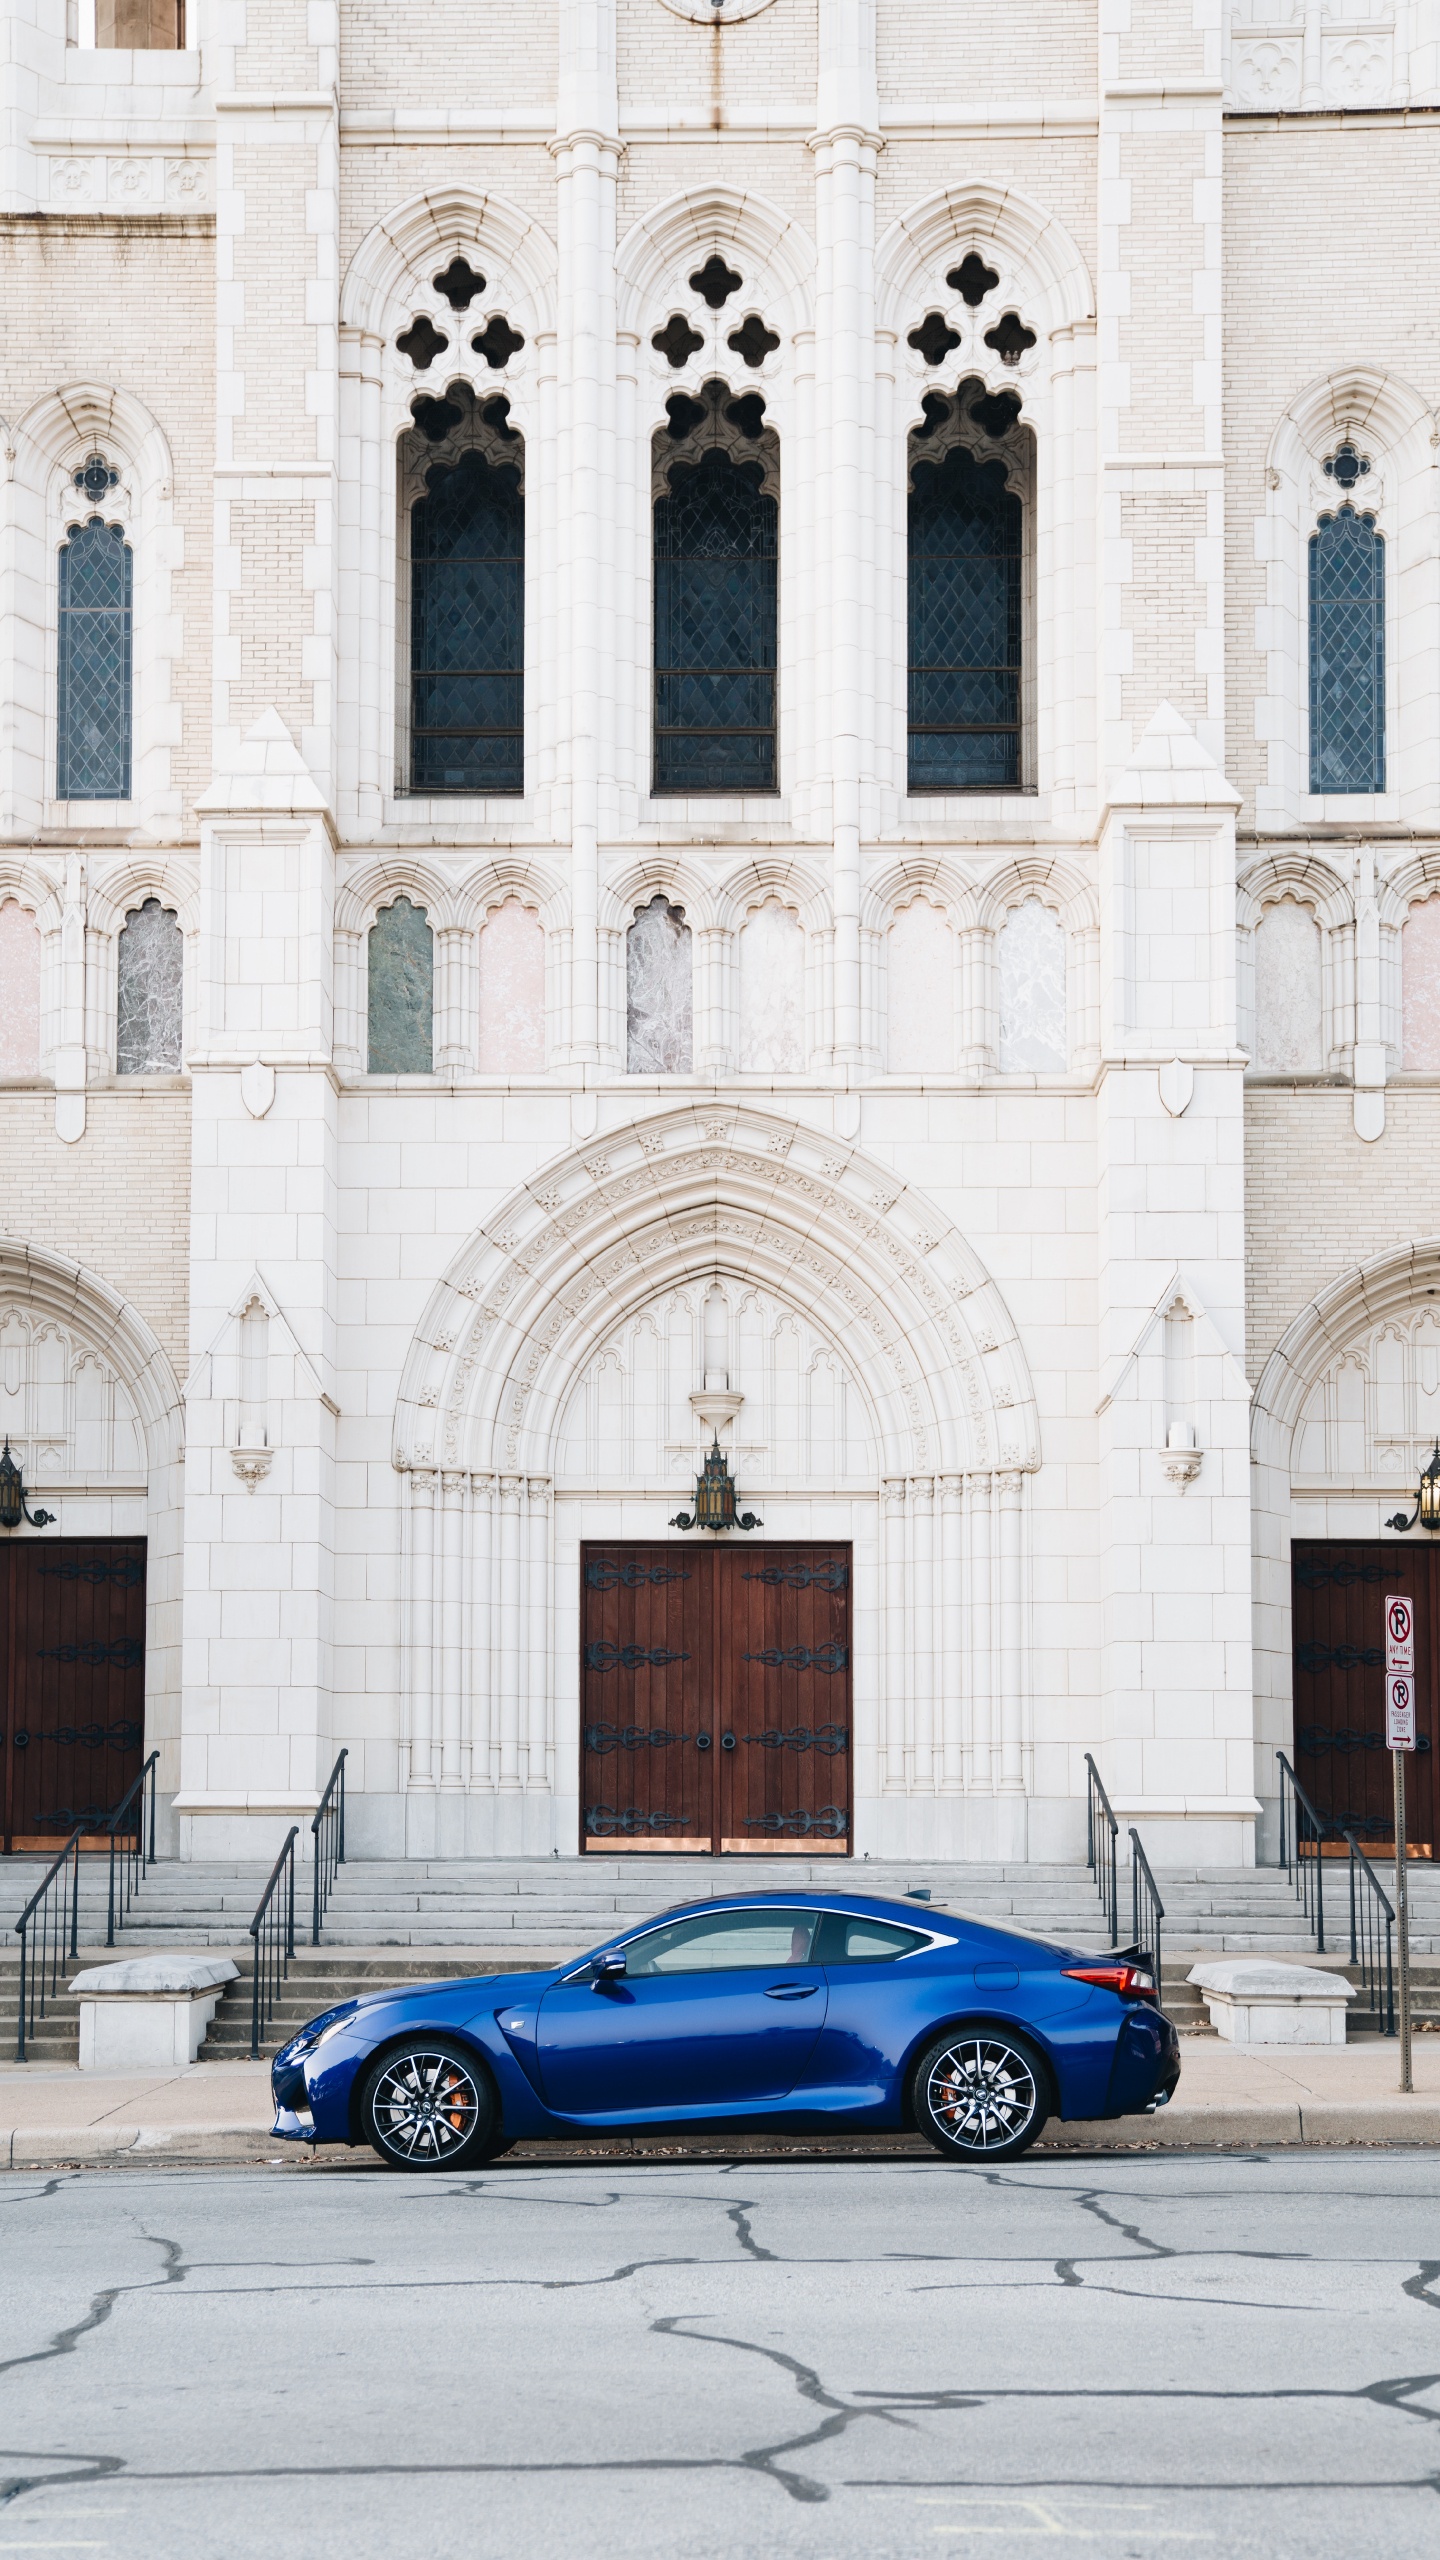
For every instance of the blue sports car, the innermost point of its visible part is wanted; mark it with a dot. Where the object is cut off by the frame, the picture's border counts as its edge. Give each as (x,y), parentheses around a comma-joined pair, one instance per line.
(812,2011)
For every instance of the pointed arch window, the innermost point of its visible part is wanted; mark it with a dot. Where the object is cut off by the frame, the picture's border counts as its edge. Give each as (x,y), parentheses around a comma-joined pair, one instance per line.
(466,567)
(717,527)
(966,545)
(1347,654)
(149,991)
(93,744)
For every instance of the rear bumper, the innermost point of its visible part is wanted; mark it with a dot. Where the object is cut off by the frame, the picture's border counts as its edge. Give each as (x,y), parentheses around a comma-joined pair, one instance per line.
(1146,2067)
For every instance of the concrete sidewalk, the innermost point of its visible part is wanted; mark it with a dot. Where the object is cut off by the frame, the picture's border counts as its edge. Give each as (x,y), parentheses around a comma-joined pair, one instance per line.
(219,2112)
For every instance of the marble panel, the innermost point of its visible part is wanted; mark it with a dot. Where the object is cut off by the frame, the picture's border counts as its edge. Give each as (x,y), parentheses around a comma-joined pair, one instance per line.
(1288,1031)
(150,976)
(1420,978)
(512,991)
(19,991)
(402,992)
(1032,991)
(921,948)
(772,991)
(658,1000)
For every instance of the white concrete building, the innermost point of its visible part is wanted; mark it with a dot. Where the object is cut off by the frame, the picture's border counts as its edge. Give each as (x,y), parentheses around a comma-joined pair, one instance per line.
(715,716)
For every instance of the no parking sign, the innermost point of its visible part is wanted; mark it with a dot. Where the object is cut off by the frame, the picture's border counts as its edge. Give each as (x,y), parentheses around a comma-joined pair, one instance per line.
(1399,1674)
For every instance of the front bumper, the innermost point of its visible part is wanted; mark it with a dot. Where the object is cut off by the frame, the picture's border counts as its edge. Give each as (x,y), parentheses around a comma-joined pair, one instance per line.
(294,2121)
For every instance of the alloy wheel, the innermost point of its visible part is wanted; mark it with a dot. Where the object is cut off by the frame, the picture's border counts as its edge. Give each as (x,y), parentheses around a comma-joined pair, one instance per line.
(981,2094)
(425,2107)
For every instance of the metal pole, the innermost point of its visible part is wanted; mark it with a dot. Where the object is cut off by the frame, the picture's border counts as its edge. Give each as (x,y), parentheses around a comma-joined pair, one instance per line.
(1402,1914)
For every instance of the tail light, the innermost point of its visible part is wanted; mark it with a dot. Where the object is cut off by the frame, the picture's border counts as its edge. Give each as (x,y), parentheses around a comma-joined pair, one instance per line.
(1131,1980)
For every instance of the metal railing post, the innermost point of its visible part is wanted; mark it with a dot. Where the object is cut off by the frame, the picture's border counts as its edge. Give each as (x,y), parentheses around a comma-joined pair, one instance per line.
(1107,1877)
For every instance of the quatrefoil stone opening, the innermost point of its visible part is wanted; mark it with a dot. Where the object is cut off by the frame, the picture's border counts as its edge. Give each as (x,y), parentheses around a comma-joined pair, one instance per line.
(1010,338)
(497,342)
(972,279)
(715,282)
(459,284)
(677,341)
(753,340)
(934,338)
(421,342)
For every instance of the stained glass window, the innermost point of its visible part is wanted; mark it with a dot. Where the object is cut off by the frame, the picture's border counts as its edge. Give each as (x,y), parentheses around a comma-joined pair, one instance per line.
(965,618)
(467,629)
(1347,654)
(149,970)
(402,992)
(716,571)
(96,579)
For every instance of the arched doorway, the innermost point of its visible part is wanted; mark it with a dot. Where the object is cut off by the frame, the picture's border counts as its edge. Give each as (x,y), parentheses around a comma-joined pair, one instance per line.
(88,1661)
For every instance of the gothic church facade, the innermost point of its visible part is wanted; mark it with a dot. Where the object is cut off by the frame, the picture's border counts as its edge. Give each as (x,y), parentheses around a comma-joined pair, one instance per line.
(719,726)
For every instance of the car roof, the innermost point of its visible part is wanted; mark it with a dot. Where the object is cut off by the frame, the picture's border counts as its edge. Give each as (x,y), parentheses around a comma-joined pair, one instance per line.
(826,1898)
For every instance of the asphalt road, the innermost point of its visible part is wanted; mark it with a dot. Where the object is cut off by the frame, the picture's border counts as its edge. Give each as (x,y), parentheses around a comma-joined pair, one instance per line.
(1239,2355)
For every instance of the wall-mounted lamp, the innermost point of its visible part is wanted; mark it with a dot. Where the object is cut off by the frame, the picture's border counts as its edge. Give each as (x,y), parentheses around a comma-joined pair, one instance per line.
(12,1498)
(715,1499)
(1427,1500)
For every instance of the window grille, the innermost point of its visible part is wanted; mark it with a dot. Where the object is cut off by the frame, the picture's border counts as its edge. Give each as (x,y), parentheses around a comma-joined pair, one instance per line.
(716,587)
(966,566)
(96,585)
(1347,654)
(467,629)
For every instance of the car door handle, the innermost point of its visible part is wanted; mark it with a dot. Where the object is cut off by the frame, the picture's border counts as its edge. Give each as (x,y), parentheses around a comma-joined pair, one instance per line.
(792,1991)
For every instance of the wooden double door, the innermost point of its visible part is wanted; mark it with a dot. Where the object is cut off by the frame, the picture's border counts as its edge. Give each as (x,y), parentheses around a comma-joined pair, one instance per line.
(1338,1592)
(715,1698)
(72,1709)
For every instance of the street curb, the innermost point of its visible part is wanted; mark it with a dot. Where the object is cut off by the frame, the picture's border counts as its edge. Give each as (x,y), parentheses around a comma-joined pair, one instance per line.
(1394,2123)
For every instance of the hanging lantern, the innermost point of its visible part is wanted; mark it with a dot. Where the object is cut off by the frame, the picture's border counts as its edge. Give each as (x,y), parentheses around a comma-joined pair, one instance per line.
(715,1498)
(1427,1500)
(12,1498)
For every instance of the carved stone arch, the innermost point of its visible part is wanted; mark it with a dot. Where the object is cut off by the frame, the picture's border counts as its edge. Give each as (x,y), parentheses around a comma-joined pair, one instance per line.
(361,894)
(1334,1323)
(1306,877)
(116,891)
(664,874)
(918,875)
(502,876)
(1028,241)
(34,886)
(687,227)
(772,875)
(1057,882)
(1360,401)
(621,1219)
(1412,880)
(391,271)
(59,431)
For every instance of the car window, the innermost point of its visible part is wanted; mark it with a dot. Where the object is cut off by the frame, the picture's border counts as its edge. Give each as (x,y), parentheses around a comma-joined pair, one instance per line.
(848,1939)
(722,1941)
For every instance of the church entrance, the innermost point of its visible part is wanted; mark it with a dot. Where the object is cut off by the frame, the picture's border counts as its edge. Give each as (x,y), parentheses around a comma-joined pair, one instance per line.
(715,1698)
(72,1708)
(1339,1592)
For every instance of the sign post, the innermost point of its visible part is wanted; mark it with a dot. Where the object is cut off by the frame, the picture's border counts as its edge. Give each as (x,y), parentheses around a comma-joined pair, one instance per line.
(1400,1738)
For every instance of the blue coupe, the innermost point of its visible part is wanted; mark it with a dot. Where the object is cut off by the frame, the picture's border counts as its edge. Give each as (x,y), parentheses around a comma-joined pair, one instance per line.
(811,2011)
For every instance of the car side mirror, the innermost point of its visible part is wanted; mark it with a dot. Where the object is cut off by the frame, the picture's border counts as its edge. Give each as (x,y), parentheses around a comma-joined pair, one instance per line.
(605,1970)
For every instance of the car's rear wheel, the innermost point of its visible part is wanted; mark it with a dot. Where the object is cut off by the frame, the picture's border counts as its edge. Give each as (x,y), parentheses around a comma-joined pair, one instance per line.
(429,2105)
(980,2093)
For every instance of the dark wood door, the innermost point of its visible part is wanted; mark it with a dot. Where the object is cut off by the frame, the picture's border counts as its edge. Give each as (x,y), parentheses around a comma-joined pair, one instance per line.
(715,1688)
(1339,1591)
(72,1642)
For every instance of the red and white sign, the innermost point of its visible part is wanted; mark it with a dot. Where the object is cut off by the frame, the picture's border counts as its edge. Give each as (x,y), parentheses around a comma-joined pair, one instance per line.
(1400,1634)
(1399,1711)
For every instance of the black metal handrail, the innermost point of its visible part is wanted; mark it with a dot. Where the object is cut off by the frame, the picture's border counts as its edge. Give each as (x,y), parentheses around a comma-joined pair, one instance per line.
(1370,1912)
(1147,1911)
(273,1933)
(1101,1854)
(130,1851)
(328,1829)
(1301,1833)
(47,1938)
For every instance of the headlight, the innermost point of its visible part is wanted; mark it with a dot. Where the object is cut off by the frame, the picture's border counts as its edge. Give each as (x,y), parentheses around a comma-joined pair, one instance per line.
(316,2032)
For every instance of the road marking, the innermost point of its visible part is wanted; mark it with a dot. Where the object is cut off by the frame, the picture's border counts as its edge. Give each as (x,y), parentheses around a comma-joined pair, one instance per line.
(1050,2527)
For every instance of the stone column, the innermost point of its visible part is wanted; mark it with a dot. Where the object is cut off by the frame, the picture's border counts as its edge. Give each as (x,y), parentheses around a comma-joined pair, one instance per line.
(845,144)
(587,158)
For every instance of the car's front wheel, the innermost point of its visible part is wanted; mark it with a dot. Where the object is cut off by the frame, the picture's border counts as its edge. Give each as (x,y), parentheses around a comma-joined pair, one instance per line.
(980,2093)
(429,2105)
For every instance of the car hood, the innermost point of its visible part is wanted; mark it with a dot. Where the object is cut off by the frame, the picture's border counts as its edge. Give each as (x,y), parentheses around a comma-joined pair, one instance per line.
(506,1986)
